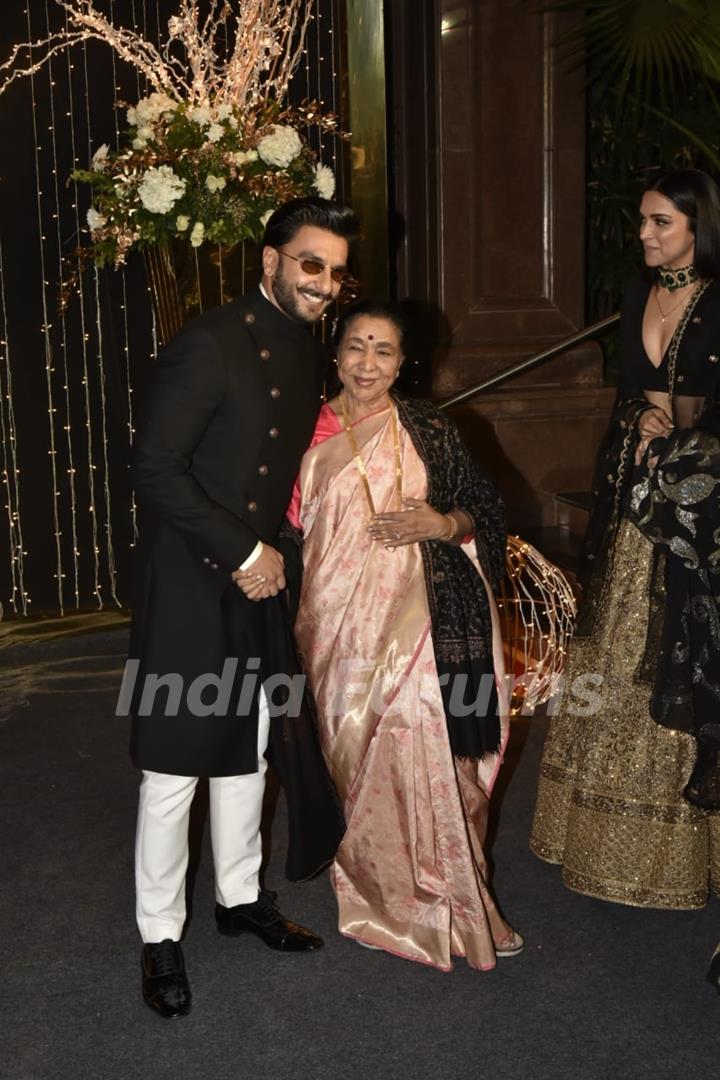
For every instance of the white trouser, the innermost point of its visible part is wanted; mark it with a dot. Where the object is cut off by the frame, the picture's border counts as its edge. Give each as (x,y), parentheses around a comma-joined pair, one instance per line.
(161,842)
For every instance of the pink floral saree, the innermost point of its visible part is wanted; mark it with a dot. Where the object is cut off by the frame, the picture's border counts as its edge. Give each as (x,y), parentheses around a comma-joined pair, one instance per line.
(410,873)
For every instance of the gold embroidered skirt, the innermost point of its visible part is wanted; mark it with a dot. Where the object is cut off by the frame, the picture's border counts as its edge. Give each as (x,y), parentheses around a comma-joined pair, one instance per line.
(610,808)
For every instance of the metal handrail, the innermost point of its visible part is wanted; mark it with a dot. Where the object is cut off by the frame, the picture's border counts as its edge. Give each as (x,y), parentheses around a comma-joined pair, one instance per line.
(532,361)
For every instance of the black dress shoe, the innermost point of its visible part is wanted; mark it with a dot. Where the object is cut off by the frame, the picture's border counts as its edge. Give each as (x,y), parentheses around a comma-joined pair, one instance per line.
(165,985)
(263,919)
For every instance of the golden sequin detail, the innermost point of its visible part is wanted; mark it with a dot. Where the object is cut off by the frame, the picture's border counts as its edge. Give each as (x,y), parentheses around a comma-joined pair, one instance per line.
(610,806)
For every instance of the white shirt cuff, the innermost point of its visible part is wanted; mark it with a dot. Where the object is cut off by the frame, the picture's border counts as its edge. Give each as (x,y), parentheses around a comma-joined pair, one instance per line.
(253,556)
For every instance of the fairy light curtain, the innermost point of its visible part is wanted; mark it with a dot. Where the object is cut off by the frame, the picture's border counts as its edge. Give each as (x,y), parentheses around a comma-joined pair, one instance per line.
(68,380)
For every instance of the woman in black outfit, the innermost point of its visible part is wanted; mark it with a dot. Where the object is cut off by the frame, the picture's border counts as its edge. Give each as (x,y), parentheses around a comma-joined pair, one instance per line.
(626,794)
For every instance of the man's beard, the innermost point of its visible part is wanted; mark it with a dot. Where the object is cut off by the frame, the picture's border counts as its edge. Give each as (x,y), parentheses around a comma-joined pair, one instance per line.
(287,300)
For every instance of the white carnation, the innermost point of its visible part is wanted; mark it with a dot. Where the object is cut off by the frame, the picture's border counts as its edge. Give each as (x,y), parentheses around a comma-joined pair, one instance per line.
(215,183)
(182,222)
(145,132)
(215,132)
(160,189)
(198,234)
(149,110)
(324,181)
(224,112)
(139,144)
(99,158)
(94,219)
(281,146)
(132,116)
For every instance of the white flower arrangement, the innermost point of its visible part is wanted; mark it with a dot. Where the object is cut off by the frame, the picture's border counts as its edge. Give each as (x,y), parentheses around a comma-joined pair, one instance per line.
(221,169)
(211,143)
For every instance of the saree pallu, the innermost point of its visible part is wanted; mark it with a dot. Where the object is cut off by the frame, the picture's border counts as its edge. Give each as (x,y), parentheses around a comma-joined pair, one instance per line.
(410,873)
(610,806)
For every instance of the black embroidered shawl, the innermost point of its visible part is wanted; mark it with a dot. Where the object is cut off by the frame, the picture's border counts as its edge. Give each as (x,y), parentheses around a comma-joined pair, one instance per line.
(459,609)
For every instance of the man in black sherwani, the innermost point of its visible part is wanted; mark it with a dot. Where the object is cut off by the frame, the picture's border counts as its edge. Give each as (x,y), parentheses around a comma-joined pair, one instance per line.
(229,412)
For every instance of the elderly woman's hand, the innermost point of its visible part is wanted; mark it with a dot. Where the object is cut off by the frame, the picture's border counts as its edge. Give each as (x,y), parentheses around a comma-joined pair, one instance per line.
(418,522)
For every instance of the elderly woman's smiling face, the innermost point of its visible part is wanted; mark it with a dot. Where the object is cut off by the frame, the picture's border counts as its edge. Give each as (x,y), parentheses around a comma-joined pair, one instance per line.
(368,360)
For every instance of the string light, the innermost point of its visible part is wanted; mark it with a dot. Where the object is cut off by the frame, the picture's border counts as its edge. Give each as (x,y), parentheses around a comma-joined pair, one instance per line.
(109,549)
(86,375)
(318,81)
(141,85)
(334,82)
(70,472)
(48,345)
(123,282)
(10,472)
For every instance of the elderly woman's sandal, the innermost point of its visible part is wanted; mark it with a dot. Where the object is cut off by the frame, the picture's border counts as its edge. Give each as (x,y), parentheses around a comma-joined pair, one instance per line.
(510,945)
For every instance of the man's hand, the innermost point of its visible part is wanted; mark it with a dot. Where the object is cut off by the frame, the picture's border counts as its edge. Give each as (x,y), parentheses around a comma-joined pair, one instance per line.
(266,576)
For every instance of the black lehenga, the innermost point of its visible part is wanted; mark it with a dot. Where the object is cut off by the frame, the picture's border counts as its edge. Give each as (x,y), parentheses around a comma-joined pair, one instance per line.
(624,793)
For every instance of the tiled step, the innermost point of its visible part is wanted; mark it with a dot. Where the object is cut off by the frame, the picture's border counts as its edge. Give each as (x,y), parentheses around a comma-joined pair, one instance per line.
(572,509)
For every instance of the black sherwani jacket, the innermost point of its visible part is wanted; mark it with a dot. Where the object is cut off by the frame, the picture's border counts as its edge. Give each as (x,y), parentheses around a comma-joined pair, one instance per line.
(228,414)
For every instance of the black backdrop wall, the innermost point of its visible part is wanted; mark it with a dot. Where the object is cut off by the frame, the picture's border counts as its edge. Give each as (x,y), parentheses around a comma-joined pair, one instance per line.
(68,382)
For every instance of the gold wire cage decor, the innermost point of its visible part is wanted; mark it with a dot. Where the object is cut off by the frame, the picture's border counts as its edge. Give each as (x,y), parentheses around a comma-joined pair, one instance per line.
(537,615)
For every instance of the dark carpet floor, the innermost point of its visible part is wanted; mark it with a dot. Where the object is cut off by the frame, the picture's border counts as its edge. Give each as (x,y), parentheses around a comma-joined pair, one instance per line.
(600,991)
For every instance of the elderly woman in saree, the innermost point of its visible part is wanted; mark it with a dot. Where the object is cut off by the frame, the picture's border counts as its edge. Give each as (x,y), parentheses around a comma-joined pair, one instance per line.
(404,540)
(626,794)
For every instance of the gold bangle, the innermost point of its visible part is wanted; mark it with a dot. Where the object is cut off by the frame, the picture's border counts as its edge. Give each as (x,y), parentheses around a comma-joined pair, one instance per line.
(453,528)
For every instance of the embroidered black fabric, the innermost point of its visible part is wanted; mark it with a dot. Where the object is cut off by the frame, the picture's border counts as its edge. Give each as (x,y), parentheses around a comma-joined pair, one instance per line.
(675,503)
(459,609)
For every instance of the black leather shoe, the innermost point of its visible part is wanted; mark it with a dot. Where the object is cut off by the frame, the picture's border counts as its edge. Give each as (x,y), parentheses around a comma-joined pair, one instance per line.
(165,985)
(263,919)
(713,975)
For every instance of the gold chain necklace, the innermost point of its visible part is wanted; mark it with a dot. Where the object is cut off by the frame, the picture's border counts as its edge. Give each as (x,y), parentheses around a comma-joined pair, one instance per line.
(361,464)
(666,314)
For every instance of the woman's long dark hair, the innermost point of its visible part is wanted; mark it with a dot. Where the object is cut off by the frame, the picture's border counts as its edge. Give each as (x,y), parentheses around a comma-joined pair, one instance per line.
(696,195)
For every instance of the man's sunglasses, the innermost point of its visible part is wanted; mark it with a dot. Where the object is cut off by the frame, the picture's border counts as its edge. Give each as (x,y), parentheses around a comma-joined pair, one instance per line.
(313,267)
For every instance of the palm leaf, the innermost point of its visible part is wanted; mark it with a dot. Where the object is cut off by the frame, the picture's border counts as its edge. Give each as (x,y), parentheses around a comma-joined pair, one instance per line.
(710,152)
(644,44)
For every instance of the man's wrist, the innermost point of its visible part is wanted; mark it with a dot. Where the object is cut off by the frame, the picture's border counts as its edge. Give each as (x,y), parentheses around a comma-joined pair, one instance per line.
(252,557)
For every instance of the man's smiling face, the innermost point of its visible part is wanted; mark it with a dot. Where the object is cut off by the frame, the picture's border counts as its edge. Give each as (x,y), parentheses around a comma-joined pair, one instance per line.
(302,296)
